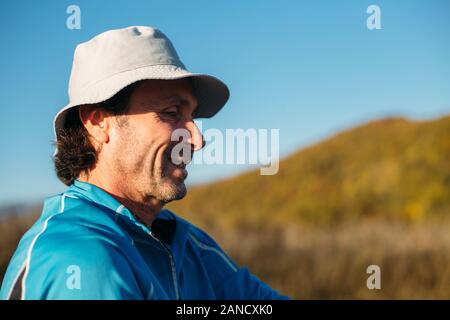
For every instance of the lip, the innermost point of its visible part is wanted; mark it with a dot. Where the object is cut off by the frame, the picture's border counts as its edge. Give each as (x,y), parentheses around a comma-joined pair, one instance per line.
(182,168)
(182,165)
(183,161)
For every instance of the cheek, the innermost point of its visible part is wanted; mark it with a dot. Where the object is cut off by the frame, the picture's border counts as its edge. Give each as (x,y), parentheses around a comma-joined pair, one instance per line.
(128,145)
(161,142)
(143,141)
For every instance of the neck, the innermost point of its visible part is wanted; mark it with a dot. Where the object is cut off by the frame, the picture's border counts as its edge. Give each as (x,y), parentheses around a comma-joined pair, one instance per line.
(145,212)
(144,209)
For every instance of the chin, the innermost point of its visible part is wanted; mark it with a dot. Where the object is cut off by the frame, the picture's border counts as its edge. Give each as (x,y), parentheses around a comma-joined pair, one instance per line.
(171,185)
(173,191)
(180,191)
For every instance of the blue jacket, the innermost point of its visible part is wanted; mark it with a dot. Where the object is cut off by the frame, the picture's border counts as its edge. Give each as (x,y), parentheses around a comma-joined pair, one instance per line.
(86,245)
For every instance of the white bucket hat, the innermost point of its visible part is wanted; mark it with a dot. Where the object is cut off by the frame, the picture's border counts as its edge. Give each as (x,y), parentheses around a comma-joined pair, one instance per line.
(117,58)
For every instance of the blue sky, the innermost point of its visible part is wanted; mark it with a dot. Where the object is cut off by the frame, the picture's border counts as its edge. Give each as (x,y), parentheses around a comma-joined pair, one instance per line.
(309,68)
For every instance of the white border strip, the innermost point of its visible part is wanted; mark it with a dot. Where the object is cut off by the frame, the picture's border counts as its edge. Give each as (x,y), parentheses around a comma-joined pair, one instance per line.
(28,259)
(8,297)
(120,208)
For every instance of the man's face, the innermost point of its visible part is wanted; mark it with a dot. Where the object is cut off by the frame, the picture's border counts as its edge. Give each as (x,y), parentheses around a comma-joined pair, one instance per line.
(140,141)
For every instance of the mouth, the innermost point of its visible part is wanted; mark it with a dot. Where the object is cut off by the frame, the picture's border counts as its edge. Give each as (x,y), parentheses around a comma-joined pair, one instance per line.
(178,161)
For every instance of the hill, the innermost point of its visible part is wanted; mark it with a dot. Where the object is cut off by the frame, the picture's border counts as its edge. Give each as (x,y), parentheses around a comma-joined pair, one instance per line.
(392,168)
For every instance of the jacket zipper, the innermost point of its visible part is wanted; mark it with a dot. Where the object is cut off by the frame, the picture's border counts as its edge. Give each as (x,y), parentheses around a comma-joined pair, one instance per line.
(172,265)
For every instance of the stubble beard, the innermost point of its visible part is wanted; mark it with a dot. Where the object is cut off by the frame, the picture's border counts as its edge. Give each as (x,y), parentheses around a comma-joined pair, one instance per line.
(167,188)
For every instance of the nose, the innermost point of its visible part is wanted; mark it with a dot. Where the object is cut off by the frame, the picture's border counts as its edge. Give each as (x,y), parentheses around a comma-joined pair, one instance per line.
(196,139)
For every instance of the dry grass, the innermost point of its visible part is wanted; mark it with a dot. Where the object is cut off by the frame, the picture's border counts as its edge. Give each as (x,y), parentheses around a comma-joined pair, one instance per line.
(331,263)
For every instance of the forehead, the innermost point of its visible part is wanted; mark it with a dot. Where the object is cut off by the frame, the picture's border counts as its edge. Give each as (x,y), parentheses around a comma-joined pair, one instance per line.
(158,91)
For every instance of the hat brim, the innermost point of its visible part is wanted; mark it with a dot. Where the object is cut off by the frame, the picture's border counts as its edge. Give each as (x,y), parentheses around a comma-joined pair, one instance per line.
(211,93)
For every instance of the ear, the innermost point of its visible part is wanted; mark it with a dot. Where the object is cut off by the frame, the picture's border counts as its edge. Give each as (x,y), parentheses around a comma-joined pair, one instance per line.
(96,121)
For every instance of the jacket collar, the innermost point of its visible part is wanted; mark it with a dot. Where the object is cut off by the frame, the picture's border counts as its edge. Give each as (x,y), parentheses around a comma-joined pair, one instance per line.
(99,196)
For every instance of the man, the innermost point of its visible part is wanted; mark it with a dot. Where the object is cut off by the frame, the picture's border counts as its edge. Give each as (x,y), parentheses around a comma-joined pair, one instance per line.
(108,236)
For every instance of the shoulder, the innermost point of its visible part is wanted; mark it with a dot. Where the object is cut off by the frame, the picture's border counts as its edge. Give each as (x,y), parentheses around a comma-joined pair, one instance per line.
(74,238)
(75,220)
(77,228)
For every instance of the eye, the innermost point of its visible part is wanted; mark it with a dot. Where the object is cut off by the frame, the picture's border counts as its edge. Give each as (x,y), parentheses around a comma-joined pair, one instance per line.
(171,112)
